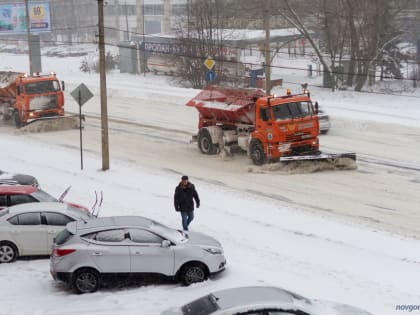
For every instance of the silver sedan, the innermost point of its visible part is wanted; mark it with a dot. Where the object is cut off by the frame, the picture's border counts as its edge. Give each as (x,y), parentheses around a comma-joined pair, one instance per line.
(261,301)
(29,229)
(85,252)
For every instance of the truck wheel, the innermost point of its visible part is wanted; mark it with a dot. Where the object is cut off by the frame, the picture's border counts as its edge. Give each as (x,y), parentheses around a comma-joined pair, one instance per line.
(205,143)
(16,119)
(257,153)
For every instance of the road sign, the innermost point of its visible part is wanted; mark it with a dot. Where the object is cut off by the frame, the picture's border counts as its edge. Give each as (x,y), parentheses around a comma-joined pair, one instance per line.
(81,94)
(210,76)
(209,63)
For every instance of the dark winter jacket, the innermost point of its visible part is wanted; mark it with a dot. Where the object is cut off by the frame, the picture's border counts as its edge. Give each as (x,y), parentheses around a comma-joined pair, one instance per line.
(183,198)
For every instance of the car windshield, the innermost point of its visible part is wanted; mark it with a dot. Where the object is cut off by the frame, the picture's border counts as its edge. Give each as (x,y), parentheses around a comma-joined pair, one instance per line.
(167,232)
(202,306)
(41,195)
(42,87)
(292,110)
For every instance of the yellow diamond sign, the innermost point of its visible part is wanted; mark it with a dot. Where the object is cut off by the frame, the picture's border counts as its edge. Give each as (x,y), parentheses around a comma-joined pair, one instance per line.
(209,63)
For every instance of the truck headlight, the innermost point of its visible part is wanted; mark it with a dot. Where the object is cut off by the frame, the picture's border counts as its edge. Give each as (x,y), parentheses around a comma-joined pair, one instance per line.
(214,251)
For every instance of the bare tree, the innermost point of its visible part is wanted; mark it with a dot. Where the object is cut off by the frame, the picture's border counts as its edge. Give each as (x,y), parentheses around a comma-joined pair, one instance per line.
(200,38)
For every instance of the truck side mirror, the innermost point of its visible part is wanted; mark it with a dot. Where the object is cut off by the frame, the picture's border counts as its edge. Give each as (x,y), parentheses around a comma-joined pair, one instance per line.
(265,114)
(62,85)
(18,90)
(316,107)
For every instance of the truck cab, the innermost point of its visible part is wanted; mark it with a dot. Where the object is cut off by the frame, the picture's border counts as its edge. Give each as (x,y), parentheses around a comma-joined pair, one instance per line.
(38,96)
(284,126)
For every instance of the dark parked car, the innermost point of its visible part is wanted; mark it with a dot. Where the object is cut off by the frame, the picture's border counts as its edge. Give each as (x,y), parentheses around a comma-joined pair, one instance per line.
(17,179)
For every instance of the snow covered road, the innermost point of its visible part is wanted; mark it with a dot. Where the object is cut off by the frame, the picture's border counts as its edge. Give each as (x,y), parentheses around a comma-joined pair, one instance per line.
(350,236)
(266,241)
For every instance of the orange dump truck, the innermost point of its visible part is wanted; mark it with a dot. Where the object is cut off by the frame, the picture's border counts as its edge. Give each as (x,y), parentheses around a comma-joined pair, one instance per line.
(26,98)
(268,128)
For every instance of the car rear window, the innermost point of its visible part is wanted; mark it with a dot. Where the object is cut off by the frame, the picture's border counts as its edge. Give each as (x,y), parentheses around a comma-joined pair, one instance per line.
(41,195)
(63,237)
(59,219)
(202,306)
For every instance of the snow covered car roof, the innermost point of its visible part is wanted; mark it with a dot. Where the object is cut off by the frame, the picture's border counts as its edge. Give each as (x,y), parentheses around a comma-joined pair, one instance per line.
(248,299)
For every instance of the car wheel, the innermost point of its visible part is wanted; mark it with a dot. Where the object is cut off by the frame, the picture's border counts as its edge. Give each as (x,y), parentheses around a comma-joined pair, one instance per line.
(193,273)
(8,252)
(257,152)
(86,281)
(205,143)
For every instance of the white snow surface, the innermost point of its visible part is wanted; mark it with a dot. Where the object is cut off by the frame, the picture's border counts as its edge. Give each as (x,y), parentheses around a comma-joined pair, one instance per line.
(265,243)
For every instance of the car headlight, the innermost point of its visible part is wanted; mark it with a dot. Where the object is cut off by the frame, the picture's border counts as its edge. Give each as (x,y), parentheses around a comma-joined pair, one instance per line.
(214,251)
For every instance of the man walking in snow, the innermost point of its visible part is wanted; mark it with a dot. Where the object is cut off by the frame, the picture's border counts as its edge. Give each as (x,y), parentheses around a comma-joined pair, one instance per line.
(183,201)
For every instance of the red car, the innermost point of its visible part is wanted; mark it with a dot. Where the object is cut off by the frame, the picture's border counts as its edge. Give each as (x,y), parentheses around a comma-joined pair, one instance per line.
(11,195)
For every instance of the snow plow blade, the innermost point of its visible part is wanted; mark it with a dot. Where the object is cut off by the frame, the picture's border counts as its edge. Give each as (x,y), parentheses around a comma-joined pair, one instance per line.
(54,123)
(316,162)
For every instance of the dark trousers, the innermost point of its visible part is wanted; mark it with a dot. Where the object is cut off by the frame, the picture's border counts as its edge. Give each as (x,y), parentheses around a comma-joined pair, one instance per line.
(187,217)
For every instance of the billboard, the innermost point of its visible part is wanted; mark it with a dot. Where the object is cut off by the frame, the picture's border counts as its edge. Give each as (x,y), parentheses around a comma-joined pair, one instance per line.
(13,18)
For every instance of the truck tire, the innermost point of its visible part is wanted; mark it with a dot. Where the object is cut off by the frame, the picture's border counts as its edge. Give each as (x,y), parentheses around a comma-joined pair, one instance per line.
(17,120)
(205,143)
(257,152)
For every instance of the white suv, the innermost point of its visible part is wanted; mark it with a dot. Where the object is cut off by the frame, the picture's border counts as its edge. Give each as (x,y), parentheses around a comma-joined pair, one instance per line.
(85,252)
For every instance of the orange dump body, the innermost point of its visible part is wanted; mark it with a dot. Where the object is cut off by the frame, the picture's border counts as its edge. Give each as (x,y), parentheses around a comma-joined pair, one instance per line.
(228,105)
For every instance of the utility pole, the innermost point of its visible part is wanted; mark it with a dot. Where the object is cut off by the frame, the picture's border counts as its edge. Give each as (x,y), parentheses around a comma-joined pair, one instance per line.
(28,29)
(267,15)
(141,67)
(102,70)
(166,27)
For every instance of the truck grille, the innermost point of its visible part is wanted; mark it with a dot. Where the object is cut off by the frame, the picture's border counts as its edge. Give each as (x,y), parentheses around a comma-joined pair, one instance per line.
(298,136)
(43,102)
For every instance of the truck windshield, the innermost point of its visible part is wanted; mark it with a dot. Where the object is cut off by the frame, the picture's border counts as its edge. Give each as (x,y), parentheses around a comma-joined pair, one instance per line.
(42,87)
(292,110)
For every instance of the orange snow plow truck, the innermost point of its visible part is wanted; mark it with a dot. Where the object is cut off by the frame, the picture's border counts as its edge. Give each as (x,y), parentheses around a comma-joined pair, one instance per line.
(269,128)
(36,100)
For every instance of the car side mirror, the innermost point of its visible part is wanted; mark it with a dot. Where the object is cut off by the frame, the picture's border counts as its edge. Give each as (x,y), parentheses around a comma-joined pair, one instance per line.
(316,107)
(62,85)
(166,243)
(18,90)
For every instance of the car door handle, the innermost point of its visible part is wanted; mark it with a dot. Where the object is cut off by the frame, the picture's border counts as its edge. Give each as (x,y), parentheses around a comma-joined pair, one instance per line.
(51,232)
(97,254)
(138,253)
